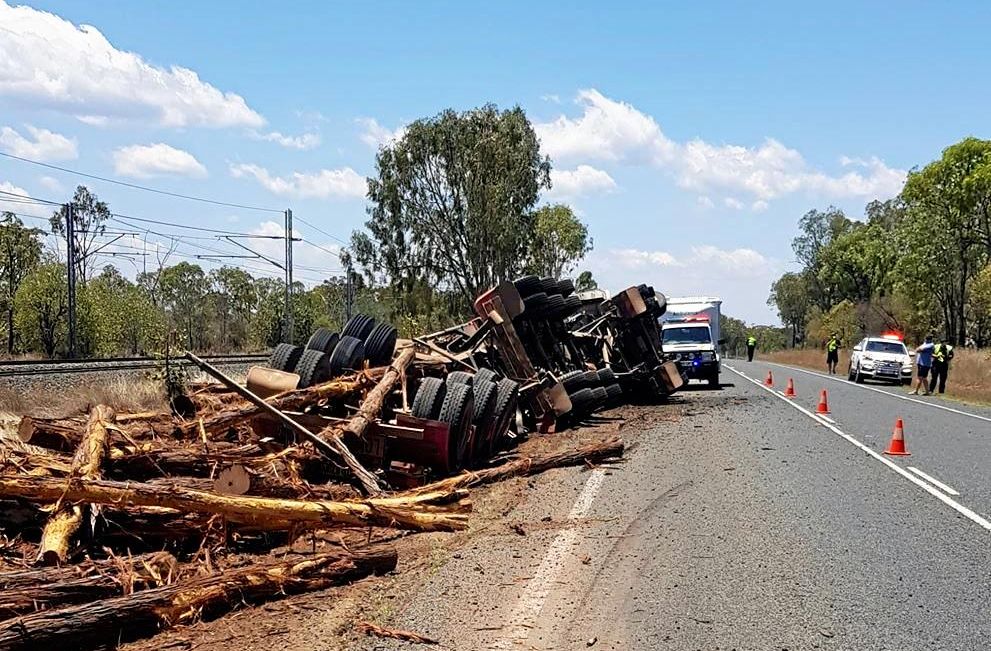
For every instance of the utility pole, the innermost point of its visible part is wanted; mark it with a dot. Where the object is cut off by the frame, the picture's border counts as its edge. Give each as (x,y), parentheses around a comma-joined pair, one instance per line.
(70,248)
(288,317)
(349,293)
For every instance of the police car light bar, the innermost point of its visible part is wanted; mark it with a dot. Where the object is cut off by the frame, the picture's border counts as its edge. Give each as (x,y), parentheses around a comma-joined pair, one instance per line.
(894,336)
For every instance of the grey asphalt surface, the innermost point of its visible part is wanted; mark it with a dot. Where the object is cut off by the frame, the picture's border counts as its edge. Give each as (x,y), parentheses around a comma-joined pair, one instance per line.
(744,525)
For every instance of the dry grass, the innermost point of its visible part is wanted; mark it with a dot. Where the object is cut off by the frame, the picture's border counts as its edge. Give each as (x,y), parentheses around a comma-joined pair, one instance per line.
(124,394)
(969,379)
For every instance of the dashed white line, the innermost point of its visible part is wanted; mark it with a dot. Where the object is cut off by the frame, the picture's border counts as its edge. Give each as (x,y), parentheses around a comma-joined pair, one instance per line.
(877,390)
(932,480)
(942,497)
(535,593)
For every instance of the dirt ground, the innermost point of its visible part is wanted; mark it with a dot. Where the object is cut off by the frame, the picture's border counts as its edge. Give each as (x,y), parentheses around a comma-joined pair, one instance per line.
(329,619)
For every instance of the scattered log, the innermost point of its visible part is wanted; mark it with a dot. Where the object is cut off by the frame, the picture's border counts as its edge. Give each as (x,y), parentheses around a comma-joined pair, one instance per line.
(425,511)
(332,446)
(195,460)
(67,518)
(290,401)
(260,484)
(110,620)
(588,453)
(60,434)
(371,406)
(27,591)
(396,634)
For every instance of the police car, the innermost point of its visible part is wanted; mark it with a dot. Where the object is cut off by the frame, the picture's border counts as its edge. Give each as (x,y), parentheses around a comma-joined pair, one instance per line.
(881,358)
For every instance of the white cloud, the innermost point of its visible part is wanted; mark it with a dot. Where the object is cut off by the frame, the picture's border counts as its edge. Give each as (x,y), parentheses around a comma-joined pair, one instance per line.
(303,142)
(48,62)
(704,201)
(759,206)
(17,204)
(551,97)
(322,184)
(582,180)
(375,135)
(50,183)
(159,159)
(733,204)
(637,259)
(607,130)
(616,131)
(43,145)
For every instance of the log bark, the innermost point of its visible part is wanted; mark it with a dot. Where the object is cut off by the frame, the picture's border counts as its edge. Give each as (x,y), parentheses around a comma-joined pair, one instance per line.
(425,511)
(262,484)
(60,434)
(371,406)
(111,620)
(290,401)
(42,589)
(589,453)
(67,518)
(195,460)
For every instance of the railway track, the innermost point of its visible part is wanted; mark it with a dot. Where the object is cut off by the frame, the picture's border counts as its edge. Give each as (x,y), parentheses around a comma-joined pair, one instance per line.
(36,368)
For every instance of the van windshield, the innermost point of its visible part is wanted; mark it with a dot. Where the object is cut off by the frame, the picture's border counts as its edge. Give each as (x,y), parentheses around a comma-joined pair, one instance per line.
(895,347)
(687,335)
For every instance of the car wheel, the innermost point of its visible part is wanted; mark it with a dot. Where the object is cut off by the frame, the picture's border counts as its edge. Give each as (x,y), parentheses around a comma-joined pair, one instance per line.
(849,372)
(859,378)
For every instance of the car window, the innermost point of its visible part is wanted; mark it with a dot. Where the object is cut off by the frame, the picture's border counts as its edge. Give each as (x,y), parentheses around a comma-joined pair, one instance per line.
(895,347)
(694,335)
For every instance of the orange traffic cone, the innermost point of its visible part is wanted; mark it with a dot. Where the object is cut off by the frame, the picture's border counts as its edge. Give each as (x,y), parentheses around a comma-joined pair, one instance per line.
(897,445)
(823,406)
(790,389)
(769,382)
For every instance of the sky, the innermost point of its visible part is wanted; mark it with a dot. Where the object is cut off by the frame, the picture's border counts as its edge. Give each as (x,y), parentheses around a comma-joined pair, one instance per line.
(689,137)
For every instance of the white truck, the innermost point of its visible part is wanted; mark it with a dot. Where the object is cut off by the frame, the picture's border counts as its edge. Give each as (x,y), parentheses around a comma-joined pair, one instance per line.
(690,336)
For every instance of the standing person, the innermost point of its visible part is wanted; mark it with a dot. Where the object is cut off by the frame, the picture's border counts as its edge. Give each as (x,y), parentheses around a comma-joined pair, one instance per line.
(942,354)
(924,362)
(751,347)
(832,353)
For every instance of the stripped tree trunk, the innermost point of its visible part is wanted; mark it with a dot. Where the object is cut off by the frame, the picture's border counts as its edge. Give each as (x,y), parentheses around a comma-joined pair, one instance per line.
(110,620)
(66,519)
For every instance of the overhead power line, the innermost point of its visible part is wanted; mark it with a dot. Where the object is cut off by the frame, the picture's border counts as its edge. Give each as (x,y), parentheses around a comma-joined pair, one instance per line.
(135,186)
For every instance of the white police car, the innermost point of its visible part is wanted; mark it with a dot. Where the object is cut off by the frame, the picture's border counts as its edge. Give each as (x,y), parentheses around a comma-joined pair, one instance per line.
(881,358)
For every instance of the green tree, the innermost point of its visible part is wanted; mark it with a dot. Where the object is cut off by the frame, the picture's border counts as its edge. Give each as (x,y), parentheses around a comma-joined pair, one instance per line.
(118,317)
(89,215)
(41,306)
(817,230)
(585,282)
(452,203)
(234,298)
(182,289)
(559,240)
(20,253)
(790,295)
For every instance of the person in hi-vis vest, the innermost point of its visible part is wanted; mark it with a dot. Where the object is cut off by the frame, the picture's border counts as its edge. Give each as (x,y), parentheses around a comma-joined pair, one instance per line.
(751,347)
(942,354)
(832,353)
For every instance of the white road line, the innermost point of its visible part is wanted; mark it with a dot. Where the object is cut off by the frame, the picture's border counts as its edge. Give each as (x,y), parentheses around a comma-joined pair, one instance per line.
(887,393)
(932,480)
(535,593)
(826,418)
(942,497)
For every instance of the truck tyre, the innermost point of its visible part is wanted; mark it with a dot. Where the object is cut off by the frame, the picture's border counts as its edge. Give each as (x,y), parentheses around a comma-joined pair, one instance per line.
(599,397)
(457,411)
(606,376)
(566,287)
(359,326)
(533,304)
(571,305)
(581,401)
(503,411)
(614,392)
(591,379)
(485,397)
(549,286)
(285,357)
(527,286)
(380,344)
(429,398)
(555,305)
(349,354)
(313,368)
(323,340)
(573,380)
(460,377)
(486,375)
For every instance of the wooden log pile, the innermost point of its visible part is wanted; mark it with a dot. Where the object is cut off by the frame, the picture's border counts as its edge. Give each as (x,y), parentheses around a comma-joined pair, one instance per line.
(115,525)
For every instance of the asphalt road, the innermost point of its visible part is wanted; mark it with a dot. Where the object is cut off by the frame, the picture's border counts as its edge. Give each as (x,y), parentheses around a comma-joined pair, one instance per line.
(746,524)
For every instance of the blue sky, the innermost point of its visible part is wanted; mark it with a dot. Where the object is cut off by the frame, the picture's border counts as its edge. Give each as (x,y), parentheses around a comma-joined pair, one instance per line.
(689,138)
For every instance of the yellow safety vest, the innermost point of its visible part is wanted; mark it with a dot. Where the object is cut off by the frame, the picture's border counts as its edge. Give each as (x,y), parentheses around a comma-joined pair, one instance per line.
(939,353)
(751,341)
(832,345)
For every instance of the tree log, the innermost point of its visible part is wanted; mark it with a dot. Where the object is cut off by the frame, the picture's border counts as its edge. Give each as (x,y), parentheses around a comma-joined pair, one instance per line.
(67,518)
(42,589)
(59,434)
(425,511)
(150,460)
(371,406)
(127,617)
(588,453)
(289,401)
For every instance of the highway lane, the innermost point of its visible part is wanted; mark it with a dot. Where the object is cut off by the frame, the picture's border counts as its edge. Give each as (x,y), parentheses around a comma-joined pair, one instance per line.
(745,524)
(953,447)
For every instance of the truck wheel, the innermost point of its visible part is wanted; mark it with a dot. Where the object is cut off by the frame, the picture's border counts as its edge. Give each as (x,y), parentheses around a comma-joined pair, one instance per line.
(285,357)
(313,368)
(573,380)
(380,344)
(606,375)
(349,354)
(527,286)
(486,375)
(359,326)
(566,287)
(485,398)
(428,398)
(457,411)
(323,340)
(549,286)
(507,396)
(460,377)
